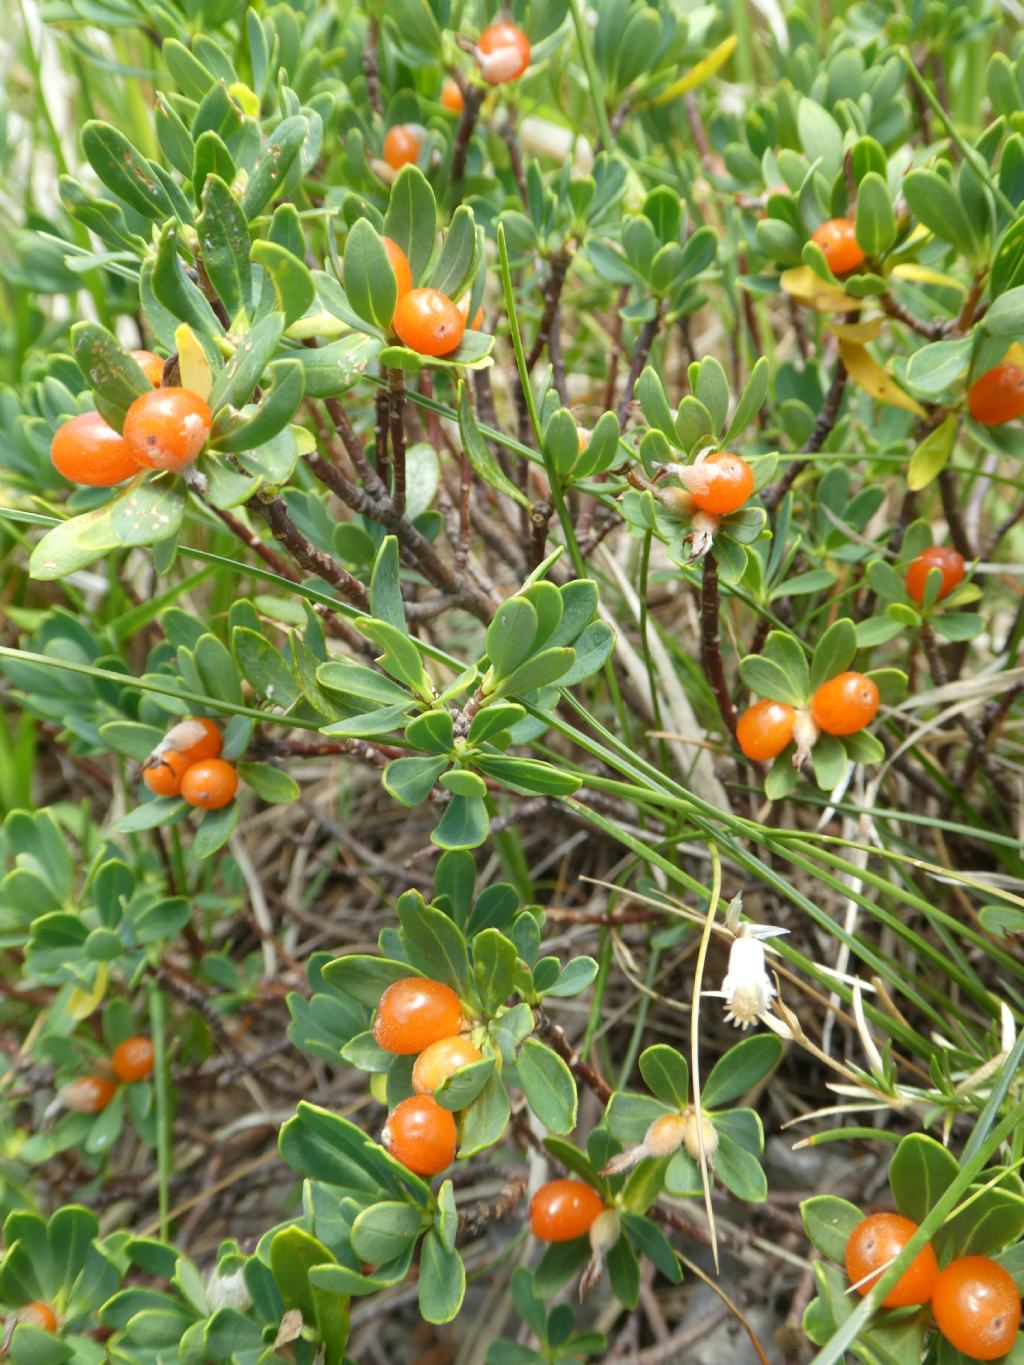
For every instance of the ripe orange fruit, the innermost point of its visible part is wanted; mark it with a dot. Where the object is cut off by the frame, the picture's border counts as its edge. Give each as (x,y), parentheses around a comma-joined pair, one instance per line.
(151,366)
(37,1314)
(401,146)
(415,1012)
(452,97)
(563,1210)
(399,263)
(210,784)
(86,449)
(720,484)
(977,1307)
(942,557)
(133,1060)
(439,1060)
(421,1135)
(997,396)
(838,241)
(87,1094)
(167,428)
(196,738)
(506,50)
(765,728)
(428,322)
(162,775)
(845,704)
(874,1243)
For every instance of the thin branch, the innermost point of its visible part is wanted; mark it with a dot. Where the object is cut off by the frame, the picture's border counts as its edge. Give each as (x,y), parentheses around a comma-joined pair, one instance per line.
(552,295)
(396,428)
(644,342)
(951,507)
(711,644)
(274,512)
(827,418)
(932,330)
(471,101)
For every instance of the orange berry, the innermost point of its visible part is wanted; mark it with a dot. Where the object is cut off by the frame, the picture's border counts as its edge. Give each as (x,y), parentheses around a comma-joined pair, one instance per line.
(838,241)
(133,1060)
(210,784)
(196,738)
(720,484)
(874,1243)
(439,1060)
(428,322)
(421,1135)
(86,449)
(845,704)
(415,1012)
(401,146)
(87,1094)
(37,1314)
(163,774)
(765,728)
(997,396)
(563,1210)
(948,561)
(452,97)
(399,263)
(506,50)
(977,1307)
(151,366)
(478,316)
(167,428)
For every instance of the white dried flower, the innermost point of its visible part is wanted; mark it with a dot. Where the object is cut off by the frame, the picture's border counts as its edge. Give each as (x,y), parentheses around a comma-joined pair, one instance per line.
(747,989)
(228,1291)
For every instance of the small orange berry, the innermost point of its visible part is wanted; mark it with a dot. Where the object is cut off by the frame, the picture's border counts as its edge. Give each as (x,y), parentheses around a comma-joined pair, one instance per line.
(163,774)
(421,1135)
(196,738)
(948,561)
(37,1314)
(401,146)
(151,366)
(86,449)
(977,1309)
(428,322)
(506,50)
(563,1210)
(838,241)
(210,784)
(167,428)
(133,1060)
(439,1060)
(720,484)
(399,263)
(87,1094)
(997,396)
(845,704)
(452,97)
(415,1012)
(764,730)
(878,1240)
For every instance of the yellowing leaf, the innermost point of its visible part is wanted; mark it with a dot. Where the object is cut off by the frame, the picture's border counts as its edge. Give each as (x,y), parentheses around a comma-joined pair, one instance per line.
(923,274)
(814,292)
(1014,355)
(81,1003)
(932,455)
(865,371)
(192,362)
(246,99)
(859,332)
(696,75)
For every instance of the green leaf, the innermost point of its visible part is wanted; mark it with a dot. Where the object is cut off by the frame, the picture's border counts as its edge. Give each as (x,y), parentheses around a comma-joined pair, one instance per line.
(459,1090)
(224,242)
(175,291)
(494,961)
(540,671)
(381,1232)
(365,978)
(739,1170)
(434,943)
(666,1075)
(936,203)
(484,1121)
(114,377)
(273,163)
(828,1222)
(648,1239)
(574,977)
(235,383)
(936,367)
(876,221)
(273,413)
(385,585)
(548,1085)
(932,455)
(465,823)
(400,656)
(510,635)
(834,652)
(269,783)
(263,667)
(215,829)
(740,1069)
(529,775)
(624,1273)
(411,780)
(411,221)
(767,679)
(755,391)
(920,1173)
(73,544)
(480,456)
(830,761)
(459,256)
(442,1282)
(125,171)
(369,280)
(293,284)
(712,390)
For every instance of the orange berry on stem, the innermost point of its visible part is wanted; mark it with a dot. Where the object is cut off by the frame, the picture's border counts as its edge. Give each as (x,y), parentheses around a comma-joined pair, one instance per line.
(977,1308)
(838,241)
(164,772)
(563,1210)
(86,449)
(401,146)
(37,1314)
(133,1060)
(874,1243)
(210,784)
(428,322)
(415,1012)
(167,428)
(997,396)
(87,1094)
(196,738)
(439,1060)
(765,728)
(151,366)
(452,97)
(506,53)
(400,266)
(948,561)
(845,704)
(720,484)
(421,1135)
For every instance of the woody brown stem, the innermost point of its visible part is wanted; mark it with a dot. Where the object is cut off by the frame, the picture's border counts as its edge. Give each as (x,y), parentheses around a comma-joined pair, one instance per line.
(396,428)
(552,295)
(711,641)
(274,512)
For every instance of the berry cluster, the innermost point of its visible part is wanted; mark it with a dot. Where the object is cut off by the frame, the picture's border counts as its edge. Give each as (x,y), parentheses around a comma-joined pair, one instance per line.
(131,1061)
(186,764)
